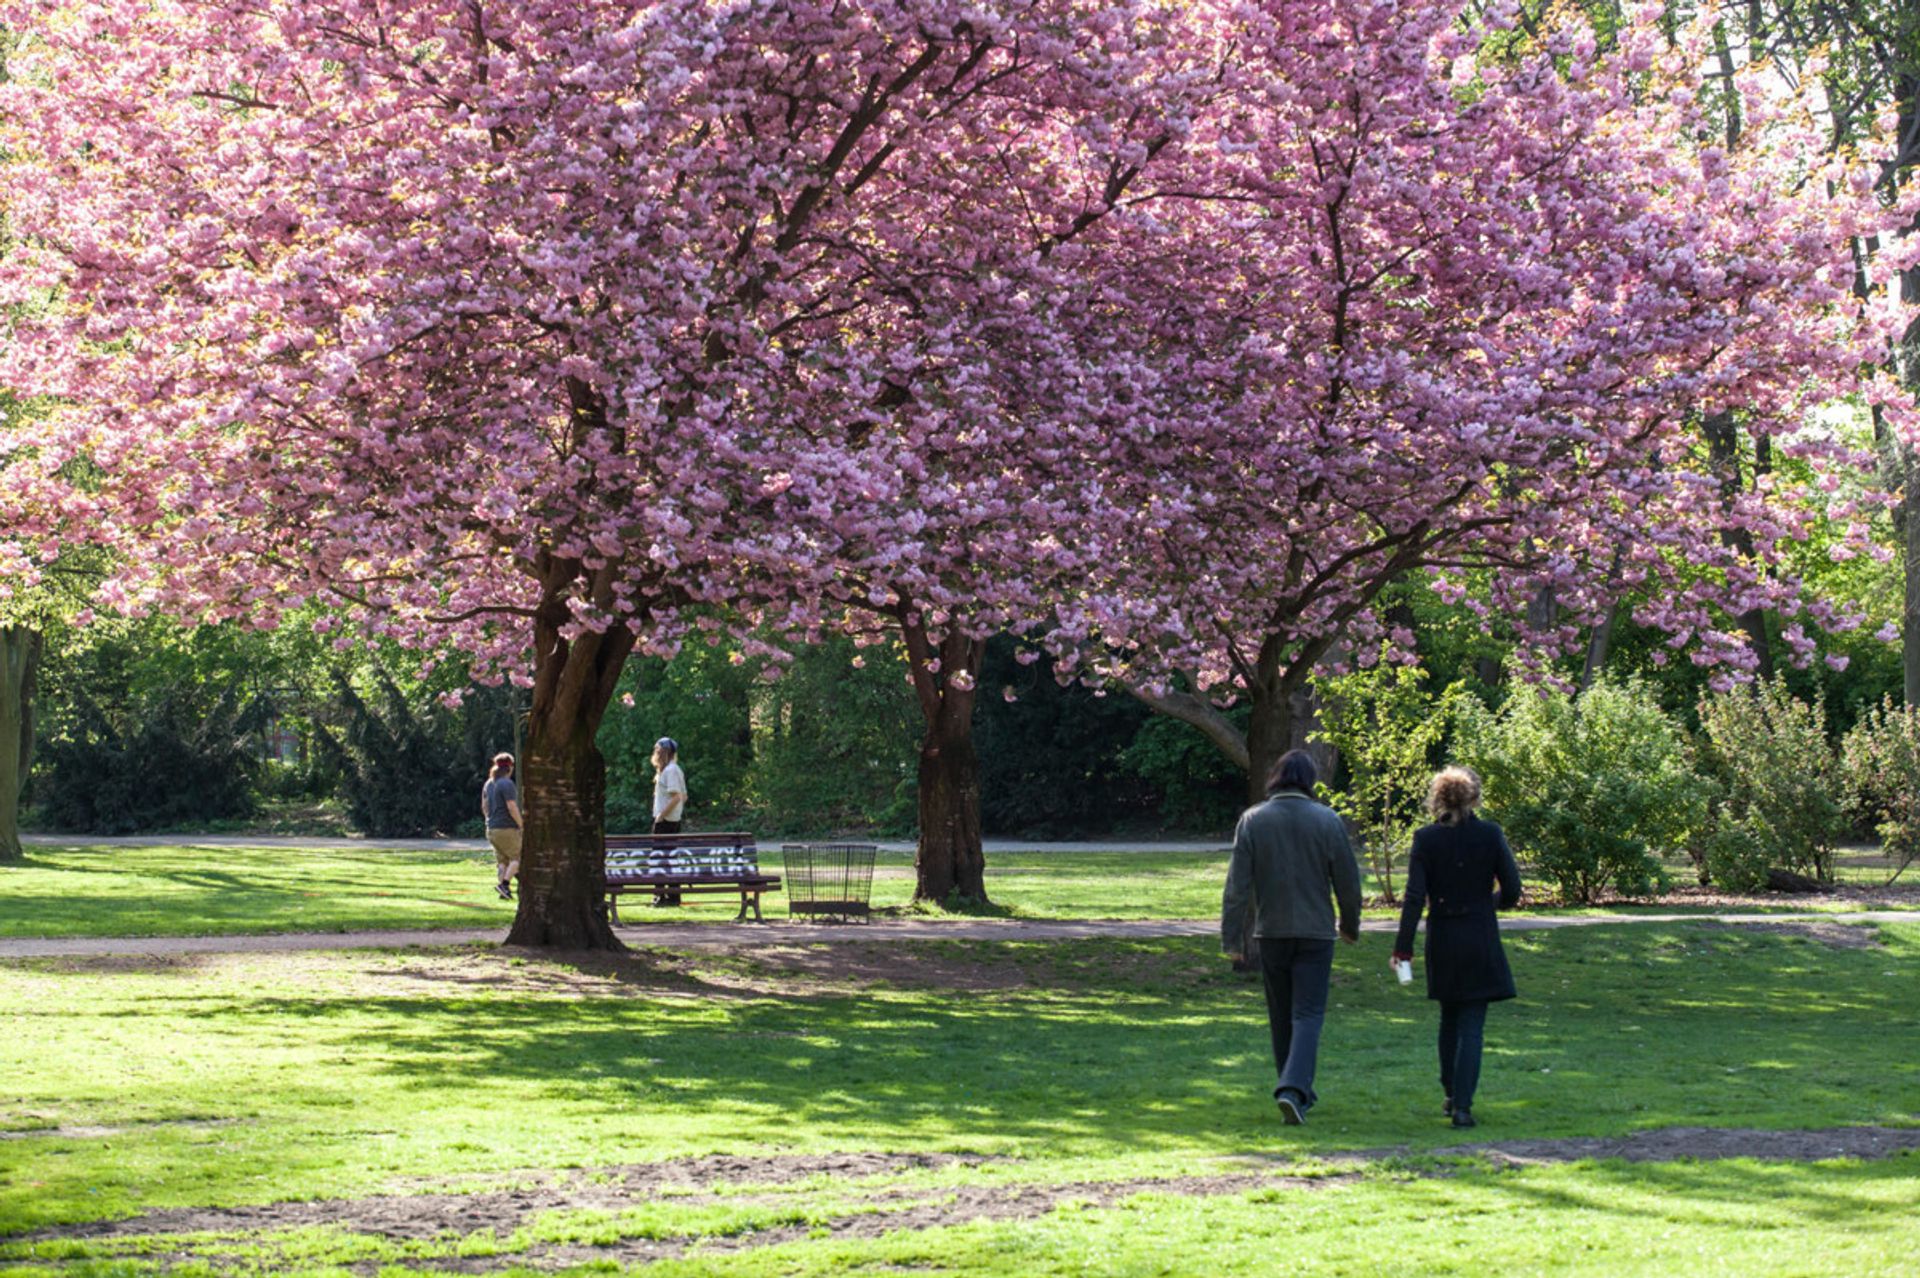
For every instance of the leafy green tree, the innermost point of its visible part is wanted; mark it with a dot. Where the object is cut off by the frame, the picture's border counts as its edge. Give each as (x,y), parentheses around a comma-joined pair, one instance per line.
(412,766)
(1054,758)
(1386,724)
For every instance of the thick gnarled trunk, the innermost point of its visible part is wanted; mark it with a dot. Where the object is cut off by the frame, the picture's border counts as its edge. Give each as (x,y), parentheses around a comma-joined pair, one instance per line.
(563,778)
(950,861)
(562,904)
(19,661)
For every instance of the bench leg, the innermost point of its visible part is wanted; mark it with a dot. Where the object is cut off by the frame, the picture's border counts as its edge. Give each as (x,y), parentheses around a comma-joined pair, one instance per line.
(757,916)
(613,909)
(741,917)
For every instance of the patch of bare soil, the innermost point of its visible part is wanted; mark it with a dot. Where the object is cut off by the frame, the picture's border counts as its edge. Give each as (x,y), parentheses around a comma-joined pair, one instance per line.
(772,969)
(94,1131)
(1841,936)
(437,1220)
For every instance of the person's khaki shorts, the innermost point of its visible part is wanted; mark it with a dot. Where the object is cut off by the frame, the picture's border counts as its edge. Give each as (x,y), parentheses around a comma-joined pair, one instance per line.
(506,845)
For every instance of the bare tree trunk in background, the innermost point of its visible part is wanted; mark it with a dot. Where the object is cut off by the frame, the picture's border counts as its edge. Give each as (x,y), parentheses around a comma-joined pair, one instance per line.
(1597,645)
(19,666)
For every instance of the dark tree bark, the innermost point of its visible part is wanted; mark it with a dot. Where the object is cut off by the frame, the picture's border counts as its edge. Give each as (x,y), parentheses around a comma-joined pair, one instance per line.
(19,664)
(950,861)
(1598,644)
(563,777)
(1269,735)
(1278,720)
(1723,454)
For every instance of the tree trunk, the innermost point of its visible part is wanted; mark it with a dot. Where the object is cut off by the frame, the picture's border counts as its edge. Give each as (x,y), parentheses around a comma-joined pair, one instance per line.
(564,782)
(1597,645)
(1723,454)
(1269,735)
(1909,522)
(19,662)
(1279,721)
(950,861)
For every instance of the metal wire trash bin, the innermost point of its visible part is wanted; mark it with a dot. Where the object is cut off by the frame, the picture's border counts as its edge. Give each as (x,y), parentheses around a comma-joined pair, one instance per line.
(831,881)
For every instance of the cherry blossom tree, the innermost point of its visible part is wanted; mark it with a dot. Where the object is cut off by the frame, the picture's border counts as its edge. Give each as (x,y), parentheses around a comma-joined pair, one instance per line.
(509,326)
(1421,297)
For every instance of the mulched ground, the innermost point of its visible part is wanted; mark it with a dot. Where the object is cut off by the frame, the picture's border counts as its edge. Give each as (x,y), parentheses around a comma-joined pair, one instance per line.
(870,1182)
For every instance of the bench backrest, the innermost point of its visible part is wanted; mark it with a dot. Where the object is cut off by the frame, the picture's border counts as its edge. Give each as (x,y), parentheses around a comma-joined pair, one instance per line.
(639,857)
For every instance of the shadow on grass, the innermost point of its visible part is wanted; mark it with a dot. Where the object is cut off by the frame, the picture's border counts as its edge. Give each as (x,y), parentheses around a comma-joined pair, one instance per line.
(1164,1050)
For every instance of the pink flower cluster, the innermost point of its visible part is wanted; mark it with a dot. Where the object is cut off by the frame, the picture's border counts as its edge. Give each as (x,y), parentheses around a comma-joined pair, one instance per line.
(1166,334)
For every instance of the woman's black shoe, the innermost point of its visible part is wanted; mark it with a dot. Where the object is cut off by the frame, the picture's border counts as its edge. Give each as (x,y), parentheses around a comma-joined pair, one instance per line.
(1463,1118)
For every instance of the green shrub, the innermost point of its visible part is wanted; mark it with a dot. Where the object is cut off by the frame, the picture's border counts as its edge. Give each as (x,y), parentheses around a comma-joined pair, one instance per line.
(165,762)
(1880,760)
(1779,773)
(1196,787)
(1734,857)
(1587,789)
(1053,759)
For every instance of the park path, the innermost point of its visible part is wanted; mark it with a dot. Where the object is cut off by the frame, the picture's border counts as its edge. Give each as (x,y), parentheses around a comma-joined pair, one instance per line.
(743,935)
(478,846)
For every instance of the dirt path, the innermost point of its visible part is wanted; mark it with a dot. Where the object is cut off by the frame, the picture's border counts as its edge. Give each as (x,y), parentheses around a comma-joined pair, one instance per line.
(479,848)
(782,1198)
(1832,927)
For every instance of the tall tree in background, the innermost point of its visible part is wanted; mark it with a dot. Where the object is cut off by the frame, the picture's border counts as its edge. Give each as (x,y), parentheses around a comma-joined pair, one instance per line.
(510,325)
(19,661)
(1865,54)
(1425,310)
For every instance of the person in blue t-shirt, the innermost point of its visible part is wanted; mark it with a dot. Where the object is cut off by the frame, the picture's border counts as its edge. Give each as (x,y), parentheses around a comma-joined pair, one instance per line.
(500,805)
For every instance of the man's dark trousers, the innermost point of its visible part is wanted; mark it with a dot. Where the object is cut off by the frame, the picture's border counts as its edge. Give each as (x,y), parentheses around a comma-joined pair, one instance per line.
(1298,972)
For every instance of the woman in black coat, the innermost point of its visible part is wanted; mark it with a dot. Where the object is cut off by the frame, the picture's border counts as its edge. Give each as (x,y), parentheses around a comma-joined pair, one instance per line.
(1456,863)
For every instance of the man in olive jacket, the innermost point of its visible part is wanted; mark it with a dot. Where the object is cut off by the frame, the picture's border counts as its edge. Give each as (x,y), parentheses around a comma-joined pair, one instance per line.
(1287,853)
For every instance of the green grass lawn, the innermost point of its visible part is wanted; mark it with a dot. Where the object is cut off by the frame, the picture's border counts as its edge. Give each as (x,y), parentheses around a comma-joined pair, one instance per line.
(197,891)
(129,1085)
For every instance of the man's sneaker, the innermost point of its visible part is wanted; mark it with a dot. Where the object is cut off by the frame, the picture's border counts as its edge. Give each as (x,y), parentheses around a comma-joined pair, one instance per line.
(506,893)
(1292,1109)
(1463,1118)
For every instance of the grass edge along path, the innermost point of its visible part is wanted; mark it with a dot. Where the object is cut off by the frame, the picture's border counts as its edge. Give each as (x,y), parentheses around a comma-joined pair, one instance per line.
(148,889)
(747,936)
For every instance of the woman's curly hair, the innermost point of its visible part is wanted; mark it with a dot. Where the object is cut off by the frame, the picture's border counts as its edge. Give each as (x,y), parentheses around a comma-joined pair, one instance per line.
(1453,795)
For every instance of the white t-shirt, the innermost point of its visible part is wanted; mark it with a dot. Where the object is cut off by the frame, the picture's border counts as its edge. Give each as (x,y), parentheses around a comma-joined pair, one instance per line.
(667,806)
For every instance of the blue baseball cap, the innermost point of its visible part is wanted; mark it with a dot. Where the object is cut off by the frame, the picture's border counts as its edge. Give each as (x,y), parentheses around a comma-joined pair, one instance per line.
(668,744)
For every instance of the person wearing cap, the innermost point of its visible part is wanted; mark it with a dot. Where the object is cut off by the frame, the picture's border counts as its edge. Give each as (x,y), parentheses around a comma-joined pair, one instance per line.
(669,787)
(500,808)
(669,798)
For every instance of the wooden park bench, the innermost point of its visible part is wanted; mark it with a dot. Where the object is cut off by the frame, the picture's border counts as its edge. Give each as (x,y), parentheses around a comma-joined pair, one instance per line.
(675,864)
